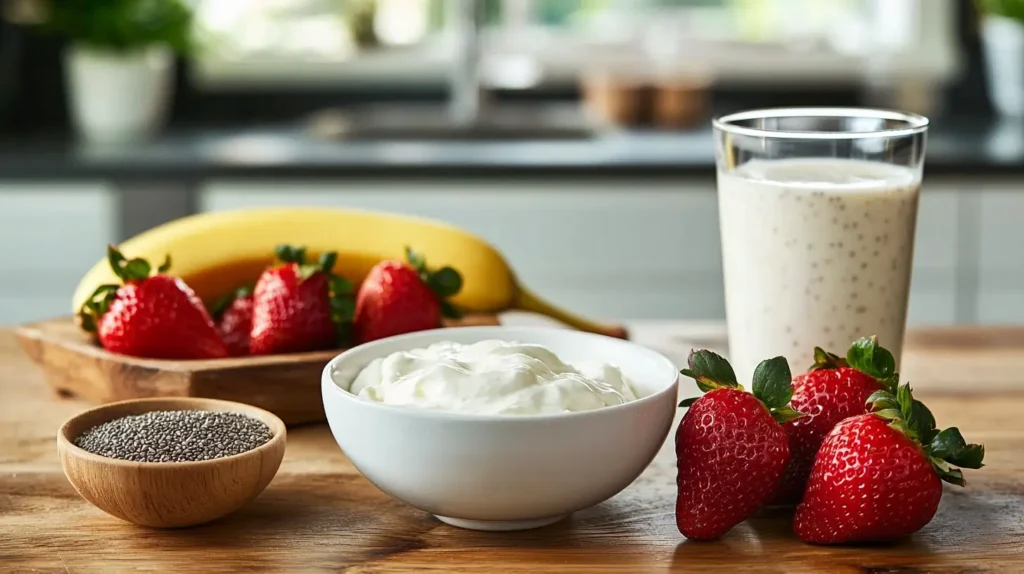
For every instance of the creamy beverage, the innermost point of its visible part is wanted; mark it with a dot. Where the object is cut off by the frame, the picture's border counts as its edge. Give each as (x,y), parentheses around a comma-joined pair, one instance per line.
(816,252)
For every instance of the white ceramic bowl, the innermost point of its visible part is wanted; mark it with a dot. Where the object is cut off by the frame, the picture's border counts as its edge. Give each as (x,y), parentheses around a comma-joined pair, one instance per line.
(507,472)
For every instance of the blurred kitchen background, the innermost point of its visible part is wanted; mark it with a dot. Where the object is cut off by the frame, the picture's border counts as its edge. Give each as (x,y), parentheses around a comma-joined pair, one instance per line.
(573,134)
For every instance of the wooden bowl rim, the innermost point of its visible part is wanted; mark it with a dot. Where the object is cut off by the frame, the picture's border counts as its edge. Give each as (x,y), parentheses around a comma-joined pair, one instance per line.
(276,425)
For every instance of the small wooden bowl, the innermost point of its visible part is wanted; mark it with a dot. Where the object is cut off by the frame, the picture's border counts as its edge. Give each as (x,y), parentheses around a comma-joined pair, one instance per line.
(169,494)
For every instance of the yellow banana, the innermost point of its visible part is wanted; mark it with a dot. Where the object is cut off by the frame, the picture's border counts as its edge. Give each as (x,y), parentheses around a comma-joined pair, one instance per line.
(218,251)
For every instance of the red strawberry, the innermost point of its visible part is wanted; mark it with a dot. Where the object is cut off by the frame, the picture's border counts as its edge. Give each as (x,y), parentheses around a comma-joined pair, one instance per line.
(878,476)
(233,315)
(398,298)
(299,306)
(831,391)
(730,448)
(153,316)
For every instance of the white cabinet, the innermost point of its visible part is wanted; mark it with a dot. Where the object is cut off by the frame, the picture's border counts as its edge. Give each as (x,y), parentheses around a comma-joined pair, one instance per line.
(1001,253)
(932,290)
(50,235)
(614,249)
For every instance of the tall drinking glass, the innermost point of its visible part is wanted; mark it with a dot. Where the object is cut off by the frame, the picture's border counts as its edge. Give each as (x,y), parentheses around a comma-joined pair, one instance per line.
(818,208)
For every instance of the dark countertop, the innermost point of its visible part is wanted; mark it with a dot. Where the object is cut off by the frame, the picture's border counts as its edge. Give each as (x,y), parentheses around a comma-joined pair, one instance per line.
(963,147)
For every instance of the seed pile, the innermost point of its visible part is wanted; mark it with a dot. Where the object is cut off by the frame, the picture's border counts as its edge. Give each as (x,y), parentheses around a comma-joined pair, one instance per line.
(175,436)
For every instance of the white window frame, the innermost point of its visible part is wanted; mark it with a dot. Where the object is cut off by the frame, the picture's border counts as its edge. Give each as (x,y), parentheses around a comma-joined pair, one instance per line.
(563,57)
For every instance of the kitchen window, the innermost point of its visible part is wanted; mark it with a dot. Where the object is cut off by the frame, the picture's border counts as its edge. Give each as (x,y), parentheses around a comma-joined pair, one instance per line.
(526,43)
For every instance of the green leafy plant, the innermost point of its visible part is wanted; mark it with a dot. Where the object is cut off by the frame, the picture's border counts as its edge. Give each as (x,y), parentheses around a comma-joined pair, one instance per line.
(359,15)
(122,25)
(1013,9)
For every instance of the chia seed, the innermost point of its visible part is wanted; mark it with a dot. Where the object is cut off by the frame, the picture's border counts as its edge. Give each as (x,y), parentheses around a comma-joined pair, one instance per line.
(175,436)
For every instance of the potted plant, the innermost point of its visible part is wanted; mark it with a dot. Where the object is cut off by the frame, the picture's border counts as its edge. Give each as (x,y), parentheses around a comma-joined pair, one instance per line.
(1002,34)
(119,62)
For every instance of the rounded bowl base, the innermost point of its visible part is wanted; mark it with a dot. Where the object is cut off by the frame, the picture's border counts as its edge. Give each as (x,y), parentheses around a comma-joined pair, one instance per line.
(500,525)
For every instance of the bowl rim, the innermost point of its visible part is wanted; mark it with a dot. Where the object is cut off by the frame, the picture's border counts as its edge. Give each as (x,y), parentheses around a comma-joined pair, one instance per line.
(327,381)
(277,427)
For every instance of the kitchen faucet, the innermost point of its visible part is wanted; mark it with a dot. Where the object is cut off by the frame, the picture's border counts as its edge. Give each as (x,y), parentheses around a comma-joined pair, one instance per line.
(466,91)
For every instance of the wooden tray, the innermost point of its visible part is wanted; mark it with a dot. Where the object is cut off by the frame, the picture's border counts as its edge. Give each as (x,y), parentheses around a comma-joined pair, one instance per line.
(286,385)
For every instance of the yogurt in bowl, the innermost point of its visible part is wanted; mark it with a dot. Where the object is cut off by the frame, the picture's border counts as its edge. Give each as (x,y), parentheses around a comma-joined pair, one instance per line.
(491,377)
(500,428)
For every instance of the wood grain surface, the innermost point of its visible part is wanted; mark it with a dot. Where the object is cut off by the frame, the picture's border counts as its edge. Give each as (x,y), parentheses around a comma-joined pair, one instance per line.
(286,385)
(320,515)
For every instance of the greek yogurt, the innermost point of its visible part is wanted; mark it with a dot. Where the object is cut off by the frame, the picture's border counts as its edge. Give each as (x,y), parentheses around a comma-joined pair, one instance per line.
(490,377)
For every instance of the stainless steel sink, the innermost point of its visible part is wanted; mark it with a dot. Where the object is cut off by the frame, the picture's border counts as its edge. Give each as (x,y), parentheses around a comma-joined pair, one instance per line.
(433,122)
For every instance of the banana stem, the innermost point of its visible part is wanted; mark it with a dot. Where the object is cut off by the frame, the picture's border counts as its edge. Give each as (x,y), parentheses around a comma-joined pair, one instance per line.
(528,301)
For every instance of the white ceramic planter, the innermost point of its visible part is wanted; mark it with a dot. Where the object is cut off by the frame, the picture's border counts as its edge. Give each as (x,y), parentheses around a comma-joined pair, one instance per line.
(118,98)
(1003,42)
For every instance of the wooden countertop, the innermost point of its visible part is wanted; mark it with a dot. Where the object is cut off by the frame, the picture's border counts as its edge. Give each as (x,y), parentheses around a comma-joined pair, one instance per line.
(320,515)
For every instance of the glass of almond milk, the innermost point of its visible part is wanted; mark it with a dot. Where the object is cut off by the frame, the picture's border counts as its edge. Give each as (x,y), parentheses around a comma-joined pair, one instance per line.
(818,208)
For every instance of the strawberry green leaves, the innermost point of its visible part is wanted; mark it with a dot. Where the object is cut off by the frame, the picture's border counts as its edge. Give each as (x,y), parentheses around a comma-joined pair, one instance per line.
(905,413)
(773,386)
(825,360)
(218,306)
(343,304)
(883,400)
(327,261)
(772,381)
(341,297)
(949,445)
(445,282)
(711,371)
(297,256)
(95,307)
(126,270)
(290,254)
(919,418)
(867,356)
(944,448)
(340,291)
(133,269)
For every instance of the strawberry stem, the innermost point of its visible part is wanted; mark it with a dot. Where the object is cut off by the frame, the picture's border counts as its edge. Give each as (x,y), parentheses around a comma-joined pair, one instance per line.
(445,282)
(944,448)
